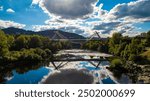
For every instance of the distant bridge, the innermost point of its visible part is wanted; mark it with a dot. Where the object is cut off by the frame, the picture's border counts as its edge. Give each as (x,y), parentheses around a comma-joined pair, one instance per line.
(59,37)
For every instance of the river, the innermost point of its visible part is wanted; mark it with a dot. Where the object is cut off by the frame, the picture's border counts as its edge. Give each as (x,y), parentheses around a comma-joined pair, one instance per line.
(68,72)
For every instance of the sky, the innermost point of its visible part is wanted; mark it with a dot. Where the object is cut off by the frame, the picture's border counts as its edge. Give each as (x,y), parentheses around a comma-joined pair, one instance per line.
(84,17)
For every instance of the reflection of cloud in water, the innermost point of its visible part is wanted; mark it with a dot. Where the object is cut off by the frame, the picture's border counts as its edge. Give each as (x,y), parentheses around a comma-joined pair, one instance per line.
(78,73)
(70,76)
(9,78)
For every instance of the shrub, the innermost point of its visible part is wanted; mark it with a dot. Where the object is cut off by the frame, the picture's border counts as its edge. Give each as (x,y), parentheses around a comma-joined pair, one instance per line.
(116,63)
(132,57)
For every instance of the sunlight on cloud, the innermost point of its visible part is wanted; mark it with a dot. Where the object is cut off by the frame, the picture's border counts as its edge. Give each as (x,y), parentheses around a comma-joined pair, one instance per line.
(10,10)
(71,9)
(132,12)
(6,24)
(84,17)
(76,10)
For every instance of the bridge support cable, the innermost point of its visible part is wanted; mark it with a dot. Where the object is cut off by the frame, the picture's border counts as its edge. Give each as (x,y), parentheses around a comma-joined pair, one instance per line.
(92,36)
(58,37)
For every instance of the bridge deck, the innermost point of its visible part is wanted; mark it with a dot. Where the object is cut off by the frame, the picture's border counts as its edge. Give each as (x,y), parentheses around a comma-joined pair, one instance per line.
(70,60)
(100,55)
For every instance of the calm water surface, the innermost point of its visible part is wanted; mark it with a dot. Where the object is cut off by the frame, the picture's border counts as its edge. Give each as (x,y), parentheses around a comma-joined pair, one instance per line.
(34,74)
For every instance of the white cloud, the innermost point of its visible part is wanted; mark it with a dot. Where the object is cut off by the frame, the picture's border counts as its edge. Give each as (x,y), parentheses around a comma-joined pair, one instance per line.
(1,8)
(10,10)
(6,24)
(137,11)
(34,2)
(120,19)
(73,26)
(71,9)
(75,23)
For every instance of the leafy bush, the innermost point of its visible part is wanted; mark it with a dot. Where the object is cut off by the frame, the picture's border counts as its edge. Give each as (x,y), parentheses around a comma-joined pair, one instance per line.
(116,63)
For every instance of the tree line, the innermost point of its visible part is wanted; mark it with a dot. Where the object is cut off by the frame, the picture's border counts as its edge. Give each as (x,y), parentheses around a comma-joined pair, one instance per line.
(128,48)
(28,47)
(128,53)
(37,48)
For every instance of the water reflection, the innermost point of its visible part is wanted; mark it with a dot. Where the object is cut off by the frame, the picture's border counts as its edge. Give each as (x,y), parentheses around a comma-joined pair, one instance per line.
(30,77)
(80,71)
(33,74)
(70,76)
(19,74)
(95,68)
(108,81)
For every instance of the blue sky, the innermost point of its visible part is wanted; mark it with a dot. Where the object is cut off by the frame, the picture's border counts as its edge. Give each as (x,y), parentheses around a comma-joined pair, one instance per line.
(128,17)
(109,4)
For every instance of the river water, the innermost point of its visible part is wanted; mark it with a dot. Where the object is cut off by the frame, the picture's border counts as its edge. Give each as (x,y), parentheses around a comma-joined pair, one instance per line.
(74,72)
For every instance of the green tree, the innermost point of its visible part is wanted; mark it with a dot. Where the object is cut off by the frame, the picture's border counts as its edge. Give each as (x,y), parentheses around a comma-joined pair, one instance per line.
(114,43)
(21,42)
(10,41)
(3,44)
(35,41)
(148,39)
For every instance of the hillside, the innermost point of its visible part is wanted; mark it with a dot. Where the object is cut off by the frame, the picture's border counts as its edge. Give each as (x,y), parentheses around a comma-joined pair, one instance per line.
(47,33)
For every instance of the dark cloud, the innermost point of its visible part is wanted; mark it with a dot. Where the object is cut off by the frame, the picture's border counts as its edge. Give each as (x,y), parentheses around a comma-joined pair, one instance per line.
(109,27)
(72,29)
(132,10)
(69,8)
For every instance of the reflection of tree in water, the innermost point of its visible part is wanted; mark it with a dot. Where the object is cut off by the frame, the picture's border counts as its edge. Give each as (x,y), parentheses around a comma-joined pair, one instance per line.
(20,68)
(25,69)
(130,70)
(133,71)
(2,77)
(5,72)
(117,74)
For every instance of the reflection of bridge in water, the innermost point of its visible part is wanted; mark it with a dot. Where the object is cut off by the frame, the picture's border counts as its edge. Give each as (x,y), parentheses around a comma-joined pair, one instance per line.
(89,63)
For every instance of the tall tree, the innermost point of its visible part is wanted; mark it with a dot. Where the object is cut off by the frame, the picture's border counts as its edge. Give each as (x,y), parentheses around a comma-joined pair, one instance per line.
(3,44)
(114,43)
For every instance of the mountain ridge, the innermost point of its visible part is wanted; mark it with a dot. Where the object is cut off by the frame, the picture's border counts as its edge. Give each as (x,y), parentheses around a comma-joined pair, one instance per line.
(46,33)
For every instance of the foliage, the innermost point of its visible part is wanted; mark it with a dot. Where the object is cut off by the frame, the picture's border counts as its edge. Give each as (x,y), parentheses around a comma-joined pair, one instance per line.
(116,63)
(128,48)
(146,54)
(98,45)
(125,47)
(3,44)
(28,47)
(148,39)
(36,47)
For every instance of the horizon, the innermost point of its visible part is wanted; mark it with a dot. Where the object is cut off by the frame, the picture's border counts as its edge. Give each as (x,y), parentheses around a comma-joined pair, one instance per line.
(81,17)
